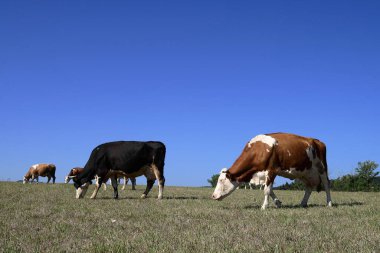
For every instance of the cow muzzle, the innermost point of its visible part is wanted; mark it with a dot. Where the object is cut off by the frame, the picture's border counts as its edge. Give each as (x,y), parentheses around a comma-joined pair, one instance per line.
(216,197)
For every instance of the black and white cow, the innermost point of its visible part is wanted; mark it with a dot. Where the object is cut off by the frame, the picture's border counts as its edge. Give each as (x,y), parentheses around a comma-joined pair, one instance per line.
(123,158)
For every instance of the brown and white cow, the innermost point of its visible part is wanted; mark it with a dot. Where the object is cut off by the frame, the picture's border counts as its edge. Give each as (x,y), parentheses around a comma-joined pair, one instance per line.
(73,173)
(126,179)
(40,170)
(278,154)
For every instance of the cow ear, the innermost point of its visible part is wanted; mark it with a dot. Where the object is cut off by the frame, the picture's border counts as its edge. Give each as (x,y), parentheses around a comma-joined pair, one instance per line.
(224,170)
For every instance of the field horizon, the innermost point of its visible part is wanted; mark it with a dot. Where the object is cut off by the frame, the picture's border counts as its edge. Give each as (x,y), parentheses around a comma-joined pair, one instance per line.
(48,218)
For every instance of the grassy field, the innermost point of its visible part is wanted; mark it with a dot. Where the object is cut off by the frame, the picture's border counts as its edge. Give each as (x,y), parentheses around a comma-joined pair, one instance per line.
(48,218)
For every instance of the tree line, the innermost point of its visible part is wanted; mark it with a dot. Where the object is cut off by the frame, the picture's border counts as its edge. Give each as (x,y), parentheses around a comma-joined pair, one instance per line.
(365,178)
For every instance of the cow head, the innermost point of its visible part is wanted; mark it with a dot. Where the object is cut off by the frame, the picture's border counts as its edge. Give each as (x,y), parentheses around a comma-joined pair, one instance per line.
(25,180)
(225,185)
(68,178)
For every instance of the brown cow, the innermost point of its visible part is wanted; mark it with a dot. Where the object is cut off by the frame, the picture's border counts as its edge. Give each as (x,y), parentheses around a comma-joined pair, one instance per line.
(42,170)
(278,154)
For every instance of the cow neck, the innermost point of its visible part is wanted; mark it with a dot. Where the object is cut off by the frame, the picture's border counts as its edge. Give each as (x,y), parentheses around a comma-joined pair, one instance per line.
(245,166)
(240,167)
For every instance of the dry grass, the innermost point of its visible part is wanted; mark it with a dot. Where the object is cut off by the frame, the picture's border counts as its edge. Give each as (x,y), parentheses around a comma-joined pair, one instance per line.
(47,218)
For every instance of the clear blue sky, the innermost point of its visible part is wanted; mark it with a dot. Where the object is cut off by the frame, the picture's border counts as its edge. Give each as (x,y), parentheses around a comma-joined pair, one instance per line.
(204,77)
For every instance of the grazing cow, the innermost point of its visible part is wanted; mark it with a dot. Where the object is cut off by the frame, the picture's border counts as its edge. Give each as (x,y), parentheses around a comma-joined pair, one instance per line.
(258,179)
(40,170)
(125,182)
(278,154)
(73,173)
(77,170)
(133,181)
(123,158)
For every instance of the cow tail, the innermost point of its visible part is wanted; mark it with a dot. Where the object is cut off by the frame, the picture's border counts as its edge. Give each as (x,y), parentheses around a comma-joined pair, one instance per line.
(53,169)
(321,151)
(159,159)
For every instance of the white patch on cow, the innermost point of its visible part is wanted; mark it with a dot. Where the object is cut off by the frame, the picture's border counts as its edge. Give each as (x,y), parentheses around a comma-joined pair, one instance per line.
(224,186)
(24,180)
(270,141)
(35,166)
(81,191)
(289,153)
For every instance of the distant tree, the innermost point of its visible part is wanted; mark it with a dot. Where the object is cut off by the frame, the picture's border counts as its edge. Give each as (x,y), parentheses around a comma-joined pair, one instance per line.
(366,175)
(344,183)
(365,179)
(213,180)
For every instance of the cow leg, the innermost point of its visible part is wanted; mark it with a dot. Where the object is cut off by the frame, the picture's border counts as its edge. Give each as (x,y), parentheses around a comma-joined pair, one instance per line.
(268,190)
(105,185)
(48,179)
(53,179)
(114,185)
(326,184)
(149,185)
(133,181)
(277,202)
(161,180)
(97,187)
(125,183)
(306,196)
(36,179)
(81,191)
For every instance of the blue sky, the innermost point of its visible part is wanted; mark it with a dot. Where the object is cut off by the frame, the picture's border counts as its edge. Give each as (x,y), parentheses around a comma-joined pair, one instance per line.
(204,77)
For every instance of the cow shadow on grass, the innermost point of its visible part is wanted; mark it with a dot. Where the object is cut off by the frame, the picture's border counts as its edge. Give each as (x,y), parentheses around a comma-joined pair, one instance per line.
(335,205)
(154,197)
(183,197)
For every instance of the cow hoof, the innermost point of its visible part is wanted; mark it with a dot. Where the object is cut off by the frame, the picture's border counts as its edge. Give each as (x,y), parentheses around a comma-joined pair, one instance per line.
(143,196)
(278,203)
(159,197)
(329,204)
